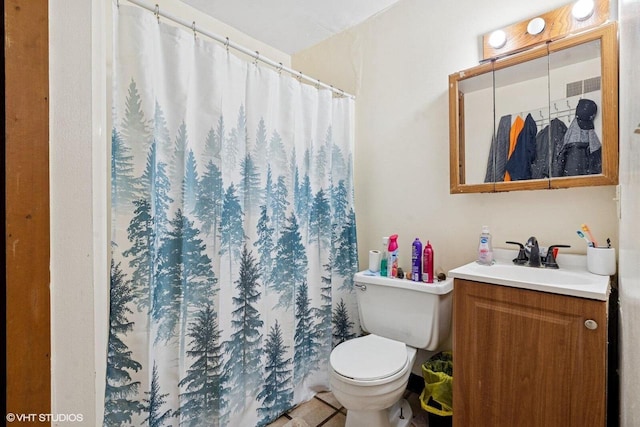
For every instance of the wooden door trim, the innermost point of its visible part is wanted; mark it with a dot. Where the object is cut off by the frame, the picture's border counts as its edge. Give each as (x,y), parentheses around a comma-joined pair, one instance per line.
(27,223)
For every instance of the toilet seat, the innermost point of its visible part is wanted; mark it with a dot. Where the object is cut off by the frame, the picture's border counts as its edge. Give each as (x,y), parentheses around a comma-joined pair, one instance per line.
(369,358)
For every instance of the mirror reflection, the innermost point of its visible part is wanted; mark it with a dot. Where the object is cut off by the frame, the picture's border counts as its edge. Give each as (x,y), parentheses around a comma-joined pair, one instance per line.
(535,120)
(575,101)
(521,109)
(476,119)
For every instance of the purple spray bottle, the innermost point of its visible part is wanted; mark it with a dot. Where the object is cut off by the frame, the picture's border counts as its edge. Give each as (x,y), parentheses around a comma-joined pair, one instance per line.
(416,260)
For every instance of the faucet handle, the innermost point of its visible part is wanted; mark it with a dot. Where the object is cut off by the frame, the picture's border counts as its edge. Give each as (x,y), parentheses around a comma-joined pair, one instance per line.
(532,248)
(522,254)
(550,260)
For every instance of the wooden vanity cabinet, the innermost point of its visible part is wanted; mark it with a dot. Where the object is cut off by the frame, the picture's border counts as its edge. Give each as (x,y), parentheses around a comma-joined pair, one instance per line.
(527,358)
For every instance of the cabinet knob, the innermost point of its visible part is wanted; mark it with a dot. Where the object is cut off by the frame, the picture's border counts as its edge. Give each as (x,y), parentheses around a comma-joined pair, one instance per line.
(591,324)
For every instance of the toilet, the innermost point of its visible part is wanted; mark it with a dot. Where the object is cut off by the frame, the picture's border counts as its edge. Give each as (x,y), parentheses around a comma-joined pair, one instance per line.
(368,375)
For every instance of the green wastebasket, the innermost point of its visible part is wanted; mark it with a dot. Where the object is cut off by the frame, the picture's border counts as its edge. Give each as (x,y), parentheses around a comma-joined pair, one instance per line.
(437,396)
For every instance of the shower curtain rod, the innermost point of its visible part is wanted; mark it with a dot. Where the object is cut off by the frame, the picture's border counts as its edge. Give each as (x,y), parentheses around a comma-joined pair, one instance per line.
(153,7)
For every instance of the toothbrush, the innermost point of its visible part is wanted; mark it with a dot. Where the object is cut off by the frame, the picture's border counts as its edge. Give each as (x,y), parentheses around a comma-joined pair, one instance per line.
(581,234)
(585,228)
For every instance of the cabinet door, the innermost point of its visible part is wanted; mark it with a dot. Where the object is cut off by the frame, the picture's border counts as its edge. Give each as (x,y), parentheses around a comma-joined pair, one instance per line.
(543,118)
(526,358)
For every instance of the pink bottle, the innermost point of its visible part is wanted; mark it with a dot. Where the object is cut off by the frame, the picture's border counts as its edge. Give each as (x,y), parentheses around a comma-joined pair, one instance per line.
(427,259)
(392,250)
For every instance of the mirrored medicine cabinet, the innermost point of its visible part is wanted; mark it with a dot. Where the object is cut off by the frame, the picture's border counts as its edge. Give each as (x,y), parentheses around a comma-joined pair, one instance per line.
(541,119)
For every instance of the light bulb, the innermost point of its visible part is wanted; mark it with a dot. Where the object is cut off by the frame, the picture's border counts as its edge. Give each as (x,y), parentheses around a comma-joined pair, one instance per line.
(582,9)
(536,25)
(497,39)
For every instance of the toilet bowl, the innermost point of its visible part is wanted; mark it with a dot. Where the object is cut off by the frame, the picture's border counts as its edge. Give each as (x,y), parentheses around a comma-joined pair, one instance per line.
(368,375)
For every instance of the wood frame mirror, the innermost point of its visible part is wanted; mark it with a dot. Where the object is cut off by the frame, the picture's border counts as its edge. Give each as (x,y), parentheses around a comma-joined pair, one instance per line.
(560,81)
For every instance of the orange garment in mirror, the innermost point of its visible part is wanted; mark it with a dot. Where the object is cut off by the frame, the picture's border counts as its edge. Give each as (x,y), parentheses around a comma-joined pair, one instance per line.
(516,128)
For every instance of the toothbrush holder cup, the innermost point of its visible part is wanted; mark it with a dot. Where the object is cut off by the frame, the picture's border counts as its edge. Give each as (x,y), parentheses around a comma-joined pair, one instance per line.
(601,260)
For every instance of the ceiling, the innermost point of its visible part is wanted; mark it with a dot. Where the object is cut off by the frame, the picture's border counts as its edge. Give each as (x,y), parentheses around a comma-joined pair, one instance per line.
(291,25)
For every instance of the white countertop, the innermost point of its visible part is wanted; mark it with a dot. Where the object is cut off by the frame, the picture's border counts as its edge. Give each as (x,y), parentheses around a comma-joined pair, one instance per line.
(572,278)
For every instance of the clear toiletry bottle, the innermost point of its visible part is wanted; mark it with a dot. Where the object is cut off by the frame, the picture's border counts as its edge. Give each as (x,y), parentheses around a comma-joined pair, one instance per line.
(385,256)
(485,247)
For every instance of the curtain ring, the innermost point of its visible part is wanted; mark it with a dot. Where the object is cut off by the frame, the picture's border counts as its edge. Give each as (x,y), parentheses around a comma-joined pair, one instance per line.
(226,44)
(193,27)
(317,84)
(279,69)
(157,12)
(255,59)
(299,76)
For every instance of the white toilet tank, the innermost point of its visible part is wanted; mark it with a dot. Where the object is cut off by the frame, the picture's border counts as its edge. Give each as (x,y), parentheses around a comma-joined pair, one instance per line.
(415,313)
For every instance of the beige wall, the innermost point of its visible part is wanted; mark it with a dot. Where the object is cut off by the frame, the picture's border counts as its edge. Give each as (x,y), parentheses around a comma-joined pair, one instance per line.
(397,64)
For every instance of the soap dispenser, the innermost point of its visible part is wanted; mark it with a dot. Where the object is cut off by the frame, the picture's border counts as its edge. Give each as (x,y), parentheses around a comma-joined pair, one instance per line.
(485,247)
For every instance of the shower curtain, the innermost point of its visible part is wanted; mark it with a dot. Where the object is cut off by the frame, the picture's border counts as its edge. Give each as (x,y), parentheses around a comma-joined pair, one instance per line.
(233,232)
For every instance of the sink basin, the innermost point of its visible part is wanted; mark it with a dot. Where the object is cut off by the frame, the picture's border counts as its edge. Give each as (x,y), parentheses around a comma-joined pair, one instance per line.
(572,279)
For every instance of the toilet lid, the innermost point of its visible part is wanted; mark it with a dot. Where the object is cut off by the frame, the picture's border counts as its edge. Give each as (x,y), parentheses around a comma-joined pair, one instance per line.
(369,358)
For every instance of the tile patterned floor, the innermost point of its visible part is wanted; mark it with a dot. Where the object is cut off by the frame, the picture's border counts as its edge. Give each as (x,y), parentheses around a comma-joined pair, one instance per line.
(324,410)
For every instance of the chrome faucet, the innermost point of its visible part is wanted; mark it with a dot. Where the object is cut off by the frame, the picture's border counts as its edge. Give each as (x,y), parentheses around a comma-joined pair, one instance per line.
(534,252)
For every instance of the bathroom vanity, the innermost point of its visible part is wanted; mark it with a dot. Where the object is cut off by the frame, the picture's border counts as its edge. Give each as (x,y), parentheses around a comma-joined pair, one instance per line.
(528,355)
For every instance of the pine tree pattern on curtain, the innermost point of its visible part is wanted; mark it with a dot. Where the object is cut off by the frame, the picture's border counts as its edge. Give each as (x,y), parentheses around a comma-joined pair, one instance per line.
(233,233)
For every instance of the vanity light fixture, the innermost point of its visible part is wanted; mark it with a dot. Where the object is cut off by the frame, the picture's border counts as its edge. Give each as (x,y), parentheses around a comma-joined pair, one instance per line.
(498,39)
(583,9)
(536,25)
